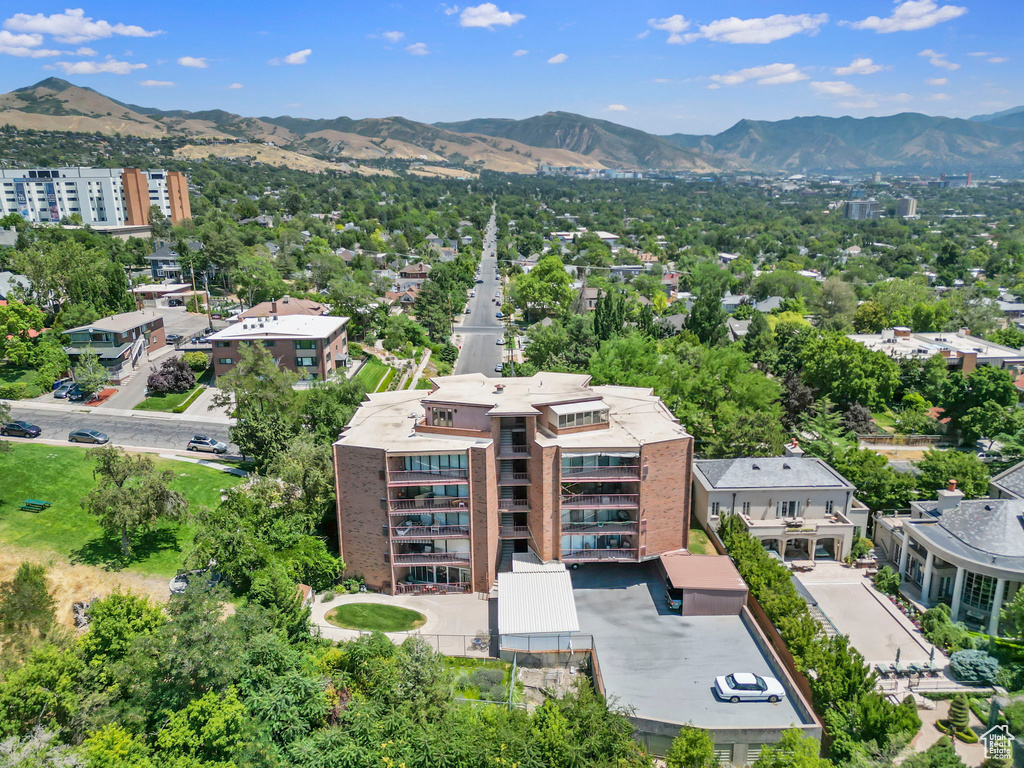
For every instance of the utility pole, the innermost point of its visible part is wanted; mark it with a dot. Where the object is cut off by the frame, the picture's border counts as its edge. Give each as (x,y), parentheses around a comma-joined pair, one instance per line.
(206,288)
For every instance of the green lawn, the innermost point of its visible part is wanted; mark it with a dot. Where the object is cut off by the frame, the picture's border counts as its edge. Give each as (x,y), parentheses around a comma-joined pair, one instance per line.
(699,542)
(374,617)
(373,374)
(11,375)
(167,403)
(62,476)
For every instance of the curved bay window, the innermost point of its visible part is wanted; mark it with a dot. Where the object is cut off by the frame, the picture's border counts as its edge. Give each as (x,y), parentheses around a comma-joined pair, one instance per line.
(979,591)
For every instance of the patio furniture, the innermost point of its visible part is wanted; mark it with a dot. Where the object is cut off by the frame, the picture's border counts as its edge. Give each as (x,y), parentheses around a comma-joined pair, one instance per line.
(883,670)
(902,670)
(915,668)
(802,565)
(33,505)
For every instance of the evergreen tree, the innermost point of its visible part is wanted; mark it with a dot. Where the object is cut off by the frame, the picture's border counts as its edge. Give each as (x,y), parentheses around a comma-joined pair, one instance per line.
(707,319)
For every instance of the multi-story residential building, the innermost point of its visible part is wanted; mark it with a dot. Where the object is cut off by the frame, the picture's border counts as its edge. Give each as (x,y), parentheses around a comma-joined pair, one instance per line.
(906,207)
(858,210)
(797,506)
(310,345)
(165,262)
(436,490)
(101,196)
(958,348)
(119,340)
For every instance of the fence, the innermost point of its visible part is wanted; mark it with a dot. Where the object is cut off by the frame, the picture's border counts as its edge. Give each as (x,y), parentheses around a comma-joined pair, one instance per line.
(909,440)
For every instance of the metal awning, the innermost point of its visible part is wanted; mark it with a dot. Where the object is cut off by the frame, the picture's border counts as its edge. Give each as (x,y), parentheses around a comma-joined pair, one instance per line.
(585,406)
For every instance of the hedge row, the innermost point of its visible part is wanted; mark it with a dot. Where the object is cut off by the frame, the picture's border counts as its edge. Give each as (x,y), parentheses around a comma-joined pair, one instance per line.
(19,390)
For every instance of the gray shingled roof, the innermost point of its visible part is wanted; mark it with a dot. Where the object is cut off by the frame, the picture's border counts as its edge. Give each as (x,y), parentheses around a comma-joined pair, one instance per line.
(989,531)
(1011,480)
(774,472)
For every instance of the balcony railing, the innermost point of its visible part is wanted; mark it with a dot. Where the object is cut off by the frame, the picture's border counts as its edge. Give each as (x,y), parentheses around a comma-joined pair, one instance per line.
(621,472)
(513,504)
(513,477)
(450,588)
(514,532)
(514,449)
(608,527)
(600,500)
(431,504)
(579,555)
(429,531)
(431,558)
(428,476)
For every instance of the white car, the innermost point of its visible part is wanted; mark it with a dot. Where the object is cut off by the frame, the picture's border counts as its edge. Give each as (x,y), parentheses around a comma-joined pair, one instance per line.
(746,686)
(206,444)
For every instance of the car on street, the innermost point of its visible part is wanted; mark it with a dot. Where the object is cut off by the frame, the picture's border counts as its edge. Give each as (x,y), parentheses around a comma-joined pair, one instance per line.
(467,310)
(20,429)
(497,368)
(77,395)
(498,315)
(472,294)
(206,444)
(746,686)
(63,390)
(987,457)
(499,341)
(479,280)
(88,436)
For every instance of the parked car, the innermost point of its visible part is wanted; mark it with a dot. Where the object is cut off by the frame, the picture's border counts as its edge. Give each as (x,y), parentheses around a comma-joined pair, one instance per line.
(472,294)
(498,315)
(63,390)
(746,686)
(468,310)
(500,341)
(498,368)
(78,395)
(206,444)
(20,429)
(175,303)
(173,338)
(479,280)
(987,457)
(88,436)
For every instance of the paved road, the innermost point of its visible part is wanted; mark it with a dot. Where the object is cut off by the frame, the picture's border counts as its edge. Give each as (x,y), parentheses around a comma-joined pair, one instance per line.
(481,329)
(148,431)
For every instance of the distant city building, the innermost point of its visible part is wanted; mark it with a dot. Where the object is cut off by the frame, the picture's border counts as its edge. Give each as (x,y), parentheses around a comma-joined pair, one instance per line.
(101,196)
(959,348)
(906,207)
(956,181)
(876,177)
(859,210)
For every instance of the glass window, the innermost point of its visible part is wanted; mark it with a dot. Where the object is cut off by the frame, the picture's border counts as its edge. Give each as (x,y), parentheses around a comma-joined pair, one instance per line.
(223,343)
(979,591)
(442,417)
(305,344)
(788,508)
(305,362)
(829,507)
(269,343)
(226,361)
(746,508)
(715,506)
(435,462)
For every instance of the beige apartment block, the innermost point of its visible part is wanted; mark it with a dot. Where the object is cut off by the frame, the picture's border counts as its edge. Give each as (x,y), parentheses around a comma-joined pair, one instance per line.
(437,489)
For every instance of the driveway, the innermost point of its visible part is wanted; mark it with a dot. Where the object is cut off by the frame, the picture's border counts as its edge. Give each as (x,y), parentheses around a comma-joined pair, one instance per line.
(871,621)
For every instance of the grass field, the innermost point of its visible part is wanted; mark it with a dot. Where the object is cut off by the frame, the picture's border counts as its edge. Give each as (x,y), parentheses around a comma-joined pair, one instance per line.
(167,403)
(374,617)
(11,375)
(699,542)
(373,374)
(63,476)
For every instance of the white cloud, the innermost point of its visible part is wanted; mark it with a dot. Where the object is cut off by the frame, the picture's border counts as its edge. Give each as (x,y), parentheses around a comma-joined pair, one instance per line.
(937,81)
(73,26)
(769,74)
(833,88)
(299,57)
(450,10)
(901,98)
(520,52)
(979,53)
(110,66)
(863,104)
(661,80)
(908,16)
(938,97)
(616,108)
(675,26)
(997,59)
(558,58)
(735,30)
(392,36)
(196,62)
(642,35)
(488,16)
(858,67)
(156,83)
(938,59)
(236,86)
(26,46)
(418,49)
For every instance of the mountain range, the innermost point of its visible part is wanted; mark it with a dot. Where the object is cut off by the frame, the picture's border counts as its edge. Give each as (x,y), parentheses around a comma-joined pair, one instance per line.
(903,142)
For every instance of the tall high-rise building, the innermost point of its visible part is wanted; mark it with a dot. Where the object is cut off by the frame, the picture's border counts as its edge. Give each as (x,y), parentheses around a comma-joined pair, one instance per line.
(906,206)
(859,210)
(101,196)
(436,489)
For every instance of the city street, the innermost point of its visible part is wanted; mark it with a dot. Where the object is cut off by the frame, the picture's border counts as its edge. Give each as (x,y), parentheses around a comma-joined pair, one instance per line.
(145,430)
(482,330)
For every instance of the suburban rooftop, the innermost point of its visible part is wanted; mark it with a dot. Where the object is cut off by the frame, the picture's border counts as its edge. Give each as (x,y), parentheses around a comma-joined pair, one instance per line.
(771,472)
(281,327)
(125,321)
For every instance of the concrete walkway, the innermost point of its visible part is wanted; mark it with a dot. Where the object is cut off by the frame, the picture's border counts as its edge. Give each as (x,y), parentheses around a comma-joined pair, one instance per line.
(457,617)
(134,392)
(971,754)
(419,368)
(202,407)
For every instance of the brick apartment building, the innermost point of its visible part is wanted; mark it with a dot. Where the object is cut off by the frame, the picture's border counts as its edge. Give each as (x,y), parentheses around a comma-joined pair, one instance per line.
(119,340)
(436,490)
(311,345)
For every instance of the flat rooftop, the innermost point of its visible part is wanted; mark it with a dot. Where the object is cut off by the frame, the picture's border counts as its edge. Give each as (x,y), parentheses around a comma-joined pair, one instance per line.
(281,327)
(664,665)
(924,345)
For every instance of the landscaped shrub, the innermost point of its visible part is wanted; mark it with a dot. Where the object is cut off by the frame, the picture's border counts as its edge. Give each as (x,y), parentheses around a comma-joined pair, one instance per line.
(973,666)
(197,361)
(887,581)
(860,548)
(1015,717)
(18,390)
(173,375)
(326,597)
(941,632)
(959,714)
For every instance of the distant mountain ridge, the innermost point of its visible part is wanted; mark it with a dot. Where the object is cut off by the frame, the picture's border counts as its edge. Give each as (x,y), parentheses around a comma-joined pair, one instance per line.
(904,141)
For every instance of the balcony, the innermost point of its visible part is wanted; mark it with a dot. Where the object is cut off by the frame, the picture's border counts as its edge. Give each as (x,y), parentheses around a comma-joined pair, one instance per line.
(595,555)
(449,588)
(510,504)
(514,532)
(508,450)
(428,504)
(604,528)
(600,501)
(408,532)
(628,473)
(432,558)
(514,478)
(428,477)
(834,524)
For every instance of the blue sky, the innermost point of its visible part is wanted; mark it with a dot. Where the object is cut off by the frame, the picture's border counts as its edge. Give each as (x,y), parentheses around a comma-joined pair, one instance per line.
(685,66)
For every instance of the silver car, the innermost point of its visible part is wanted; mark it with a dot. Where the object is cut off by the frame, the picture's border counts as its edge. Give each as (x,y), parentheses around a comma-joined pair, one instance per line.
(206,444)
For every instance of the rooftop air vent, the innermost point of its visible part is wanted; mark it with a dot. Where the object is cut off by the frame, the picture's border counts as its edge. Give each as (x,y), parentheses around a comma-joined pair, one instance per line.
(786,466)
(754,466)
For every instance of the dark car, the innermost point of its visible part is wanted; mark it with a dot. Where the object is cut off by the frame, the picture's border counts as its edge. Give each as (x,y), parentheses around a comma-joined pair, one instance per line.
(173,338)
(63,390)
(498,315)
(88,436)
(77,395)
(20,429)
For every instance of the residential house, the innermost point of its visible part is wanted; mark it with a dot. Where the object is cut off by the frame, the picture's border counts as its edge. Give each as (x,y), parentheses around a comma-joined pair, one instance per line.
(311,345)
(121,341)
(797,506)
(10,283)
(286,305)
(8,237)
(959,348)
(164,262)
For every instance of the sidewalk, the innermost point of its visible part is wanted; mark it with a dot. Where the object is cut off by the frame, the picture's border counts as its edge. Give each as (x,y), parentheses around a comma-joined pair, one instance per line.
(134,392)
(210,418)
(200,408)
